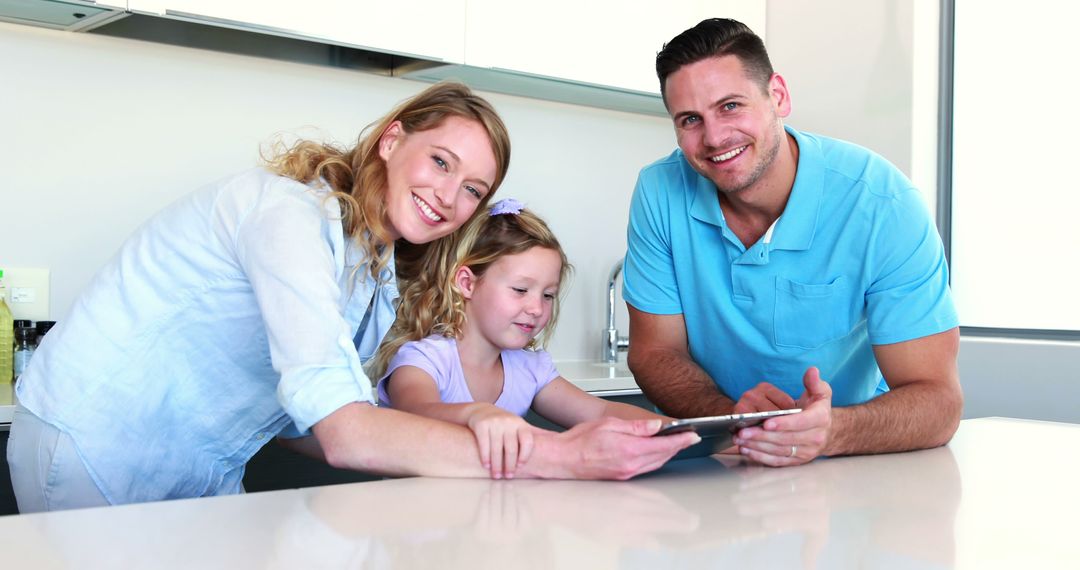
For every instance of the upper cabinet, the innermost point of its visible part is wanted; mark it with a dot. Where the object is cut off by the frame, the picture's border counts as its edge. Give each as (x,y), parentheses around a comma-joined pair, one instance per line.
(611,43)
(600,53)
(595,52)
(429,29)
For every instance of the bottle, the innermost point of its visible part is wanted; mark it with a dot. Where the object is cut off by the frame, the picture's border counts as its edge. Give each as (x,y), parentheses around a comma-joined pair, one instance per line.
(7,335)
(24,350)
(42,328)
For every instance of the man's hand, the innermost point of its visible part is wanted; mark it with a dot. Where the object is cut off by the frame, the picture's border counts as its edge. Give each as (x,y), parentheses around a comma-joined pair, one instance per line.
(505,440)
(795,439)
(608,448)
(764,398)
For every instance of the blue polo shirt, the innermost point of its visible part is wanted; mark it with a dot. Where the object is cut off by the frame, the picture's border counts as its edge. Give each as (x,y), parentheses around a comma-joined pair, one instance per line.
(853,261)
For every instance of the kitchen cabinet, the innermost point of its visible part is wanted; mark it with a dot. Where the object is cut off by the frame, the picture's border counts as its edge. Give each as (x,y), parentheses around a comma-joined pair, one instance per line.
(429,29)
(7,494)
(611,43)
(588,53)
(598,53)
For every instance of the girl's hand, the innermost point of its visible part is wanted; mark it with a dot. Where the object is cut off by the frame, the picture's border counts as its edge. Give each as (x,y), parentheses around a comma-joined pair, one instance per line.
(505,440)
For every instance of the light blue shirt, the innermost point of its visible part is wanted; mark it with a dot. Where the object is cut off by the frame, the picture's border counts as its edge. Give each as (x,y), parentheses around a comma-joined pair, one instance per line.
(853,261)
(223,320)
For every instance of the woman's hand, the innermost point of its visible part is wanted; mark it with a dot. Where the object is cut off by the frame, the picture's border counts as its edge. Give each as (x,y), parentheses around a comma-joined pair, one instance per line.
(505,440)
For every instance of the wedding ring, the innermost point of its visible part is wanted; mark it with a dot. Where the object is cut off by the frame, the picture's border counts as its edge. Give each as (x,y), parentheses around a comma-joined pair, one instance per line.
(794,449)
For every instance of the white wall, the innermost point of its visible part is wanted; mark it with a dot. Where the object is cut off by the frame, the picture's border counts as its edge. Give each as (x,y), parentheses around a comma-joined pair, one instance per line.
(848,64)
(98,133)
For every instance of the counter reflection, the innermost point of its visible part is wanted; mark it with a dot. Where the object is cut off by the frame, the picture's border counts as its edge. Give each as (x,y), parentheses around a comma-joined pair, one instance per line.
(717,512)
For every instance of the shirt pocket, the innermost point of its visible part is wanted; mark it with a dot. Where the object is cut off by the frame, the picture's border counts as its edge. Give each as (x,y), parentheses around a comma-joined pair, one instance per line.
(810,315)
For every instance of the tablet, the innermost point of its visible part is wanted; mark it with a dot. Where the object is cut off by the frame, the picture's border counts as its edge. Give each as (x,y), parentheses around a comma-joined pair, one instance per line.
(721,425)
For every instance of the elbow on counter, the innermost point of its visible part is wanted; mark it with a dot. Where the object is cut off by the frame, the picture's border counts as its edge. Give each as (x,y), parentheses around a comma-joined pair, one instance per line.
(953,408)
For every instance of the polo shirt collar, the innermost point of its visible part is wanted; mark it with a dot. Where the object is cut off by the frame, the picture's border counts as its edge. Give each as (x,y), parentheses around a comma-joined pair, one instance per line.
(795,228)
(706,204)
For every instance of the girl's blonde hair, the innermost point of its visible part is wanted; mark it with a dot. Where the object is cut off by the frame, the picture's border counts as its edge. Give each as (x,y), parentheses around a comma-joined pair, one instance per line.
(433,304)
(357,176)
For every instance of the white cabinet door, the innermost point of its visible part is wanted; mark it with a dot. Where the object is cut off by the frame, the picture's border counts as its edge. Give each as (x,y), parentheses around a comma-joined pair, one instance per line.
(432,29)
(605,42)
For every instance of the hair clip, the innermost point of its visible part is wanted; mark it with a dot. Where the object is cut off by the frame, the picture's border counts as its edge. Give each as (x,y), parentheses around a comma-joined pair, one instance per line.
(507,206)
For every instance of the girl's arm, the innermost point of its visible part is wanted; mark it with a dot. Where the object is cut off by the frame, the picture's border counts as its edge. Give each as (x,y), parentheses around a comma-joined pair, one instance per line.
(505,440)
(415,391)
(567,405)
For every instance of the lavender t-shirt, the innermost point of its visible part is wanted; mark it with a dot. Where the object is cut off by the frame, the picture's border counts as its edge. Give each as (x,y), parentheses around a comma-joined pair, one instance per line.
(525,373)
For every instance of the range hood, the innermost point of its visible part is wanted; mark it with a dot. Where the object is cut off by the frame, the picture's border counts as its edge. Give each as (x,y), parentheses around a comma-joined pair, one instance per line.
(57,15)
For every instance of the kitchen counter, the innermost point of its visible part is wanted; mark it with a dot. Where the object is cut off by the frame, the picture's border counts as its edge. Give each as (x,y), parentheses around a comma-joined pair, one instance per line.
(596,377)
(7,404)
(1001,494)
(599,378)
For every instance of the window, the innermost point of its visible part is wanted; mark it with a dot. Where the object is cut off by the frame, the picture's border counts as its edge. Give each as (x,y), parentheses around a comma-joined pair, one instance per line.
(1015,189)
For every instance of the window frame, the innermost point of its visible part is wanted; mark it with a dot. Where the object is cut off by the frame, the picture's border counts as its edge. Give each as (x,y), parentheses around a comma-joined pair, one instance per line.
(946,69)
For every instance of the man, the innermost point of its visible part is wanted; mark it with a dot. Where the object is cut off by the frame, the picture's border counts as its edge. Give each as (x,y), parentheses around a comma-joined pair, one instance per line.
(762,259)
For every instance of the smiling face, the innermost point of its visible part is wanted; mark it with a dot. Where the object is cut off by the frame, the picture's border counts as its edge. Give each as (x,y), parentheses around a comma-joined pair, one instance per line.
(507,306)
(435,178)
(728,127)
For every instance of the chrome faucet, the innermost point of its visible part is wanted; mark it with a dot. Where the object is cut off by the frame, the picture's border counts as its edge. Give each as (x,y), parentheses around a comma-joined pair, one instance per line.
(612,343)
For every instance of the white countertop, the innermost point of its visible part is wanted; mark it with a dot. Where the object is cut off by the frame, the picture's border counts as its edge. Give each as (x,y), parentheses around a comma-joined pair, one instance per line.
(1002,494)
(599,377)
(7,403)
(591,376)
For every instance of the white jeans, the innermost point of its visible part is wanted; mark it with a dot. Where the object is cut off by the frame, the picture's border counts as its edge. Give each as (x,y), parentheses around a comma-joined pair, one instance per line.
(47,473)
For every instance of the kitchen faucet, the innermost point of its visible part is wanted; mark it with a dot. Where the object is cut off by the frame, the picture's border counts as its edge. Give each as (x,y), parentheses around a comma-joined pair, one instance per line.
(612,343)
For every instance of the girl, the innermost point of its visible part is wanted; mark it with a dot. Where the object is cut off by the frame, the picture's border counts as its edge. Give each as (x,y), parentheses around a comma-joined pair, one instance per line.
(465,350)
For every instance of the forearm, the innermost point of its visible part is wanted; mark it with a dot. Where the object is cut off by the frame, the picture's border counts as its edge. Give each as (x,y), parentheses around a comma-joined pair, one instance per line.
(627,411)
(917,415)
(391,442)
(396,443)
(308,446)
(677,385)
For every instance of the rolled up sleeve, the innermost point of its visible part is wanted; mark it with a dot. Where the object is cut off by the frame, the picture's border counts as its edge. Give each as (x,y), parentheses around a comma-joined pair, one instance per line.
(285,249)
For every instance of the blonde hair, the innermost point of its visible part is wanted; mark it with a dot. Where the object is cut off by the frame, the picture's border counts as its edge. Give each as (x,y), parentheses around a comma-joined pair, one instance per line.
(357,176)
(433,304)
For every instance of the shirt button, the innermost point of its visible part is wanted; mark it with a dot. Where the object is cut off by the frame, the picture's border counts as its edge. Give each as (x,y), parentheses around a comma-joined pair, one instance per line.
(260,436)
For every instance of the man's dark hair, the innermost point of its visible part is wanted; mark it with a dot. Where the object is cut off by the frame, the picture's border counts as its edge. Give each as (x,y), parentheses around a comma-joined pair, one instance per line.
(715,37)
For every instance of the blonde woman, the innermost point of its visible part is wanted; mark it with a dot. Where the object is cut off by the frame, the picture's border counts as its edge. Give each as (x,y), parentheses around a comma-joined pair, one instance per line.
(245,311)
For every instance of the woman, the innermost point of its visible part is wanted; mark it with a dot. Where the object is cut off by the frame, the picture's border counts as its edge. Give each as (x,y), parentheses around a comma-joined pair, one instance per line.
(246,310)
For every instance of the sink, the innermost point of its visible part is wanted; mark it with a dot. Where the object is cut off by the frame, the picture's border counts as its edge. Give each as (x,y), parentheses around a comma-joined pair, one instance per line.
(593,376)
(613,369)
